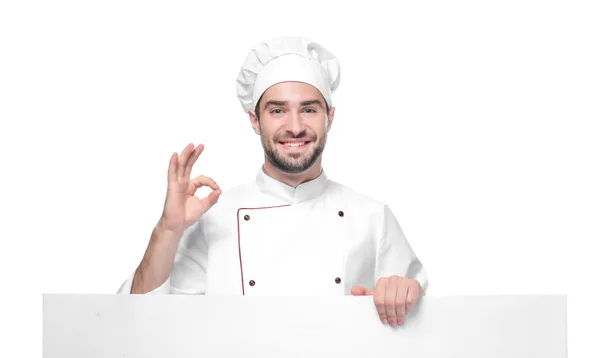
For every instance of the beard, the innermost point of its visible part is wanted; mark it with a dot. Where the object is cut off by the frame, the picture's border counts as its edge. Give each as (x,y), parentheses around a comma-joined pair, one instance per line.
(293,163)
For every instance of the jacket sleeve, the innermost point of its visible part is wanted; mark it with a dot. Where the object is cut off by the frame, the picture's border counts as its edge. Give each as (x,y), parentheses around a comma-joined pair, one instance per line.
(188,274)
(395,256)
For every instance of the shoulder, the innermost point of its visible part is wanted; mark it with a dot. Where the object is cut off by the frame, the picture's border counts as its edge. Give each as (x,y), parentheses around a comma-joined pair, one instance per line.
(357,199)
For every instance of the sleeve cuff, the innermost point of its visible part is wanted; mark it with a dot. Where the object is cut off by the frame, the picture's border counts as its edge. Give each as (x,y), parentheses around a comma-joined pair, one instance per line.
(125,288)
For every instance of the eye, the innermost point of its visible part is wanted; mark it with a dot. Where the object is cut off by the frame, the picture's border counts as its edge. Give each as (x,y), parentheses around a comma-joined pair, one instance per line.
(310,109)
(276,111)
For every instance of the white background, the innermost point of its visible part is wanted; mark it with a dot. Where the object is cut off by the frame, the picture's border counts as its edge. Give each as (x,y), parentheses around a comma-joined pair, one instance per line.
(477,122)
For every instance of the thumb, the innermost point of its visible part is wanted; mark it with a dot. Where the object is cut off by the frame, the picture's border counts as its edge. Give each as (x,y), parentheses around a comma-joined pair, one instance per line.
(361,291)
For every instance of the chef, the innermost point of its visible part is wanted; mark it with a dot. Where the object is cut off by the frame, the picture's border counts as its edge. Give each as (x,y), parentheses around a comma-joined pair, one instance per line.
(292,231)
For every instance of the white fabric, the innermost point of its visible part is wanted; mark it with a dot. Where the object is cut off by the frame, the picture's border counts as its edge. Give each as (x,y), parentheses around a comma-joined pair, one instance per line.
(286,59)
(294,243)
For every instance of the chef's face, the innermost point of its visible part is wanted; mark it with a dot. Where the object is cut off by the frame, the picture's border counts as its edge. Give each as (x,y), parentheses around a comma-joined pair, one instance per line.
(292,122)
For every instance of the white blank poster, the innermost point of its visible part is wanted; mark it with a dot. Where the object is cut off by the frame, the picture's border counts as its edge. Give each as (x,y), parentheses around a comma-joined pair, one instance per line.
(136,326)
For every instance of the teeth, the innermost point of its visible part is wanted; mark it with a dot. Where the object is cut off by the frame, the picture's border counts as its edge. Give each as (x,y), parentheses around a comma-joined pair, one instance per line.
(295,144)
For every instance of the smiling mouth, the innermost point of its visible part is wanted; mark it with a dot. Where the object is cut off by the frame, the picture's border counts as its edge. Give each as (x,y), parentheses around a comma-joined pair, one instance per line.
(294,145)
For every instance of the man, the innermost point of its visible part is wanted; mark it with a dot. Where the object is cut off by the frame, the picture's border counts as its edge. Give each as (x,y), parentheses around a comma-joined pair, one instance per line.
(292,231)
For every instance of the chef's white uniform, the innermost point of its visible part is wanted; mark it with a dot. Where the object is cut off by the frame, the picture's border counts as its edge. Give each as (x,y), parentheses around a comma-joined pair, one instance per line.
(267,238)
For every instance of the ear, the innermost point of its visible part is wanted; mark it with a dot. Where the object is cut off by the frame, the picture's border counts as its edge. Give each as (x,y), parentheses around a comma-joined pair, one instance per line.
(330,117)
(254,121)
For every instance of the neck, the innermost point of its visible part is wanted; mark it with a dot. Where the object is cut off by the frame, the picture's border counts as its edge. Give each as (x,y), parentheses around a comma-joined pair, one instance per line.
(293,179)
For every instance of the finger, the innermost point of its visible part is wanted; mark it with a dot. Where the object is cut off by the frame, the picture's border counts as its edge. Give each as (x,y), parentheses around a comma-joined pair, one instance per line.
(172,174)
(183,158)
(361,291)
(202,180)
(192,160)
(390,301)
(211,199)
(413,296)
(379,299)
(401,296)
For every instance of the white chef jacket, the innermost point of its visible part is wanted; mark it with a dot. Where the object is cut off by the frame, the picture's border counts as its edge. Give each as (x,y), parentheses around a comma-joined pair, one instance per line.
(267,238)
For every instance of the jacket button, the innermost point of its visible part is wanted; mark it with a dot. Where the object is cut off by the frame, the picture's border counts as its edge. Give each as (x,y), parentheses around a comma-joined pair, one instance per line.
(341,213)
(252,282)
(246,217)
(338,280)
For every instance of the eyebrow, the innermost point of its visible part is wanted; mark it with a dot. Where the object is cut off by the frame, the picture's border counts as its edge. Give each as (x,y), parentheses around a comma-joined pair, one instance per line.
(285,103)
(275,103)
(312,101)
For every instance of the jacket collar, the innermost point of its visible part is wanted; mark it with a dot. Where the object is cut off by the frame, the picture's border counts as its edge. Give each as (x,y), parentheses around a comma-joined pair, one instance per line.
(303,192)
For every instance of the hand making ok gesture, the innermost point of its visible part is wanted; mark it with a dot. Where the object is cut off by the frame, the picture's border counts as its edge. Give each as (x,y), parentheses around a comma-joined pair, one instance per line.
(182,208)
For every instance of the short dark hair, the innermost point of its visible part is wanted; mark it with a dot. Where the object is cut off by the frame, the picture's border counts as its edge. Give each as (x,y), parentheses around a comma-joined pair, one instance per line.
(257,108)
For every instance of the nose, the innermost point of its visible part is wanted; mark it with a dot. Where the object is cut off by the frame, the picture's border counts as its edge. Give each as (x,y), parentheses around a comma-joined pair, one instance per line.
(295,124)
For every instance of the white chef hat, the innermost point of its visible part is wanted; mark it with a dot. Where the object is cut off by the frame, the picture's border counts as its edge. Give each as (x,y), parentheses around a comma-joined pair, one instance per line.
(285,59)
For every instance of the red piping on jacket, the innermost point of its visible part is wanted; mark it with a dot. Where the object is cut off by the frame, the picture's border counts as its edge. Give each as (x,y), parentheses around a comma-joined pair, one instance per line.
(239,243)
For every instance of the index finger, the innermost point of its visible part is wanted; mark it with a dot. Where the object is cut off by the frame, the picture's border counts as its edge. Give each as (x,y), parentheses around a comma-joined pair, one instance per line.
(202,180)
(413,296)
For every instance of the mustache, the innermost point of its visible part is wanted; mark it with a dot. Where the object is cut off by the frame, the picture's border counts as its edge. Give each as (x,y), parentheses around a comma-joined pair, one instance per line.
(302,134)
